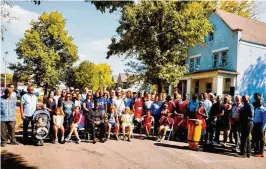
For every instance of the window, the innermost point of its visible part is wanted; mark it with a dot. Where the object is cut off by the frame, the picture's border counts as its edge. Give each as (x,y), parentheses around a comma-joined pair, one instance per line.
(215,60)
(224,58)
(191,66)
(211,37)
(208,87)
(197,86)
(197,63)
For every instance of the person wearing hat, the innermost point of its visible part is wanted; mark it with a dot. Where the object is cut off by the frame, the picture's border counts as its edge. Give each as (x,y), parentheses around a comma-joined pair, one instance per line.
(8,118)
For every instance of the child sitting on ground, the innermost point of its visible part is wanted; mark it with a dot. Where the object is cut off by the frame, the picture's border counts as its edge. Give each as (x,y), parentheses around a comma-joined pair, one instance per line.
(126,120)
(75,118)
(58,121)
(165,123)
(147,123)
(113,122)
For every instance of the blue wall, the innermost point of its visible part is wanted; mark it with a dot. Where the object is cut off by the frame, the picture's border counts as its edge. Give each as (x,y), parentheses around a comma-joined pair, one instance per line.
(223,37)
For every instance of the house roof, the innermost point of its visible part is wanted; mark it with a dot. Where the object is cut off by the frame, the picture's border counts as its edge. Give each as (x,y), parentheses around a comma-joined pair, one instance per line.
(115,78)
(251,30)
(122,77)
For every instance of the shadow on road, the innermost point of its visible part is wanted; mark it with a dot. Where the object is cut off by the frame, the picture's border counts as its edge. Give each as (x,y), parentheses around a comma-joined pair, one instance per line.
(13,161)
(228,151)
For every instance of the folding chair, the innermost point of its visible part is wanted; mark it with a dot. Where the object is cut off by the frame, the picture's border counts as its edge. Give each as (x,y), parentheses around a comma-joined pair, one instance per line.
(171,132)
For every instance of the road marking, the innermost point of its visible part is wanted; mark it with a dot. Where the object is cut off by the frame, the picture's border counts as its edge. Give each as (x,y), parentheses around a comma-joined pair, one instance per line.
(211,161)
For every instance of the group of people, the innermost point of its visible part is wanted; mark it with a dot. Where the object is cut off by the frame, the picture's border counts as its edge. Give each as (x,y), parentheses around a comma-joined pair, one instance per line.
(126,112)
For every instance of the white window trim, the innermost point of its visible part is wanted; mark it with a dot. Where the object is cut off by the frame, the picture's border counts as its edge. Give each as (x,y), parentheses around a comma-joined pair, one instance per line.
(219,50)
(195,56)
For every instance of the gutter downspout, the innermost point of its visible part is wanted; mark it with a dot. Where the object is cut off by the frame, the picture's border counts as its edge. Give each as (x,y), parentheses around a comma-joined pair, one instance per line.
(237,56)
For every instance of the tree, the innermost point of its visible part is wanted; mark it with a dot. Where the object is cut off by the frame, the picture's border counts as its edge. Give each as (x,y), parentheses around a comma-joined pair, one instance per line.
(90,75)
(8,78)
(245,8)
(46,51)
(111,5)
(157,35)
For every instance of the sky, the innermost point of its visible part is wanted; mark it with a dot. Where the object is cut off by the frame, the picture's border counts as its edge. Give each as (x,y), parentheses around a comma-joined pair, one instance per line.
(90,29)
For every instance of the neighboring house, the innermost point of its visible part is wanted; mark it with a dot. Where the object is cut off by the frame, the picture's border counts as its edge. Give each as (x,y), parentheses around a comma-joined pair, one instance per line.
(114,79)
(233,61)
(122,80)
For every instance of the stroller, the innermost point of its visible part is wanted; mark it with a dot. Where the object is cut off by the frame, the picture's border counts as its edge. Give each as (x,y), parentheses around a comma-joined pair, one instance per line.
(41,126)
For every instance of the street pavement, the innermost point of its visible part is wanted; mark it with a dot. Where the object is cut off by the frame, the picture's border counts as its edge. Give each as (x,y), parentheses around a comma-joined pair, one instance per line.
(145,154)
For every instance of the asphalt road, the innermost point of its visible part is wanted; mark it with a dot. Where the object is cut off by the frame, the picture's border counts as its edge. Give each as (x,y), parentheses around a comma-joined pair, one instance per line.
(146,154)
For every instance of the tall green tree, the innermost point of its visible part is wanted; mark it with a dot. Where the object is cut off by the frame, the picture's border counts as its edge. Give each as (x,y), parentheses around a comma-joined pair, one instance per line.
(46,51)
(155,37)
(90,75)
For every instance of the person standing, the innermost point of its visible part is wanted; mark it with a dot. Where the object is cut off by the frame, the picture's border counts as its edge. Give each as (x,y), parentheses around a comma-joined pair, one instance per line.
(156,112)
(235,119)
(8,118)
(259,127)
(128,100)
(246,119)
(62,98)
(84,95)
(67,106)
(28,106)
(56,97)
(119,103)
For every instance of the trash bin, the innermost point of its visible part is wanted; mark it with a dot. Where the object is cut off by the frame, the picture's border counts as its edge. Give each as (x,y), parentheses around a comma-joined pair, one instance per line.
(194,133)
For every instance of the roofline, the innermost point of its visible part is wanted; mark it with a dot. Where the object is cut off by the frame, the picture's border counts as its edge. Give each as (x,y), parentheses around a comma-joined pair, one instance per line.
(253,42)
(219,71)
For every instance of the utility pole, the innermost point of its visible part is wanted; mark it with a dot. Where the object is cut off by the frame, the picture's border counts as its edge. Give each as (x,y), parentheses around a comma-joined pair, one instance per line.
(5,62)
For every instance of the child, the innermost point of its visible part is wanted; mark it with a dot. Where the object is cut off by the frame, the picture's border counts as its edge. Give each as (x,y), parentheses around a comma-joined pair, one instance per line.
(201,115)
(147,123)
(126,120)
(164,110)
(165,123)
(58,121)
(113,122)
(76,118)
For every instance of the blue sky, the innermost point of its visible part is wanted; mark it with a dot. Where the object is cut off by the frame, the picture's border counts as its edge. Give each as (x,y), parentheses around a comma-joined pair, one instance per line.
(90,28)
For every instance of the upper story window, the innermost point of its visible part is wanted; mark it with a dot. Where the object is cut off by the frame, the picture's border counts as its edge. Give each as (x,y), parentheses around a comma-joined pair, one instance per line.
(191,65)
(215,60)
(224,58)
(211,37)
(194,64)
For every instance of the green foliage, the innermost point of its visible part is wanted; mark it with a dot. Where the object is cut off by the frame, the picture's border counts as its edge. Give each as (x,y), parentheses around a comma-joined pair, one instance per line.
(245,8)
(111,5)
(90,75)
(8,78)
(155,37)
(46,51)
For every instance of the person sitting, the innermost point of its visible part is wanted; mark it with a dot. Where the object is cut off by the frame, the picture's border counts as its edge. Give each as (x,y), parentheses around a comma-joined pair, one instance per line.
(126,120)
(147,123)
(113,122)
(75,121)
(58,121)
(164,110)
(96,119)
(165,123)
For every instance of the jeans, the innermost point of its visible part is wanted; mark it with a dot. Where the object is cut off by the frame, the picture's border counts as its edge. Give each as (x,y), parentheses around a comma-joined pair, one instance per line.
(26,122)
(67,123)
(236,132)
(258,138)
(245,147)
(156,122)
(8,126)
(101,126)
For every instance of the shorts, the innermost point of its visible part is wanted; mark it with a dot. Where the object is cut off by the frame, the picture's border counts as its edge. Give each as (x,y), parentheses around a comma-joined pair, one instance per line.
(126,124)
(112,123)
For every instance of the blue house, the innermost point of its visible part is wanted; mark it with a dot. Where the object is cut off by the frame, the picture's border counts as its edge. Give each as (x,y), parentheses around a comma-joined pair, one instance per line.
(233,60)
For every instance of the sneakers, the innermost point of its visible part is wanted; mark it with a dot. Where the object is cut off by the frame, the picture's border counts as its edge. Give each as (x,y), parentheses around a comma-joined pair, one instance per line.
(116,138)
(67,139)
(55,141)
(14,143)
(3,144)
(78,141)
(163,138)
(259,155)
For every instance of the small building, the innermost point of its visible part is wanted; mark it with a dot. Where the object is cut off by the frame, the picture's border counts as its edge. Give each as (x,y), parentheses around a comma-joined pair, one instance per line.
(114,79)
(122,81)
(233,60)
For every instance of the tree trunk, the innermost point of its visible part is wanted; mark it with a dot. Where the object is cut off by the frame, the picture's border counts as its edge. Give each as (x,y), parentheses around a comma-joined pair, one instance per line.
(160,86)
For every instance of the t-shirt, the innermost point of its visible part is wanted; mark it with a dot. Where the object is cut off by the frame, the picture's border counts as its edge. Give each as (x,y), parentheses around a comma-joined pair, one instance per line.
(76,117)
(67,107)
(127,119)
(128,102)
(77,103)
(147,120)
(58,119)
(148,104)
(102,101)
(89,104)
(156,108)
(120,105)
(30,102)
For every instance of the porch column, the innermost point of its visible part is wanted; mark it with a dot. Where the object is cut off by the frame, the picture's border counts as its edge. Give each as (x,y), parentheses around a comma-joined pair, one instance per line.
(188,88)
(218,85)
(183,86)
